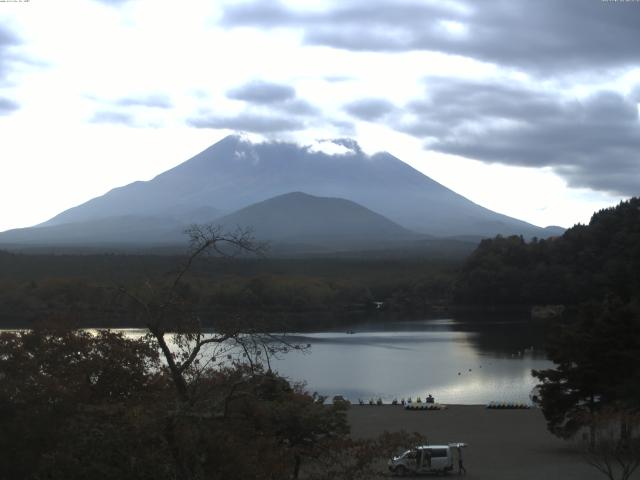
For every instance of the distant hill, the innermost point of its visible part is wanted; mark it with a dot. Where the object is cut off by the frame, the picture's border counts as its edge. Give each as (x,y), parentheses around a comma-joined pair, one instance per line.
(294,222)
(234,174)
(300,219)
(553,231)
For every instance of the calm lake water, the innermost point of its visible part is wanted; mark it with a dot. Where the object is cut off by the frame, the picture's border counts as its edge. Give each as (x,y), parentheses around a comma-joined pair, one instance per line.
(463,362)
(457,361)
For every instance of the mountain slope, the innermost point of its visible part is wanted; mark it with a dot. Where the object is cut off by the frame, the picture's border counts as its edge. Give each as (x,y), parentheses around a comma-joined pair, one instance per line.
(300,218)
(121,230)
(235,173)
(294,221)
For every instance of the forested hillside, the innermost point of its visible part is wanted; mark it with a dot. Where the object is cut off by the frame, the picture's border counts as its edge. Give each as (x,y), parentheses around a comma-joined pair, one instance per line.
(594,271)
(84,288)
(587,262)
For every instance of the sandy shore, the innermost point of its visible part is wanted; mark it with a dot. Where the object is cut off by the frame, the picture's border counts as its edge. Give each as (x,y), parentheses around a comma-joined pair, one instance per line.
(503,444)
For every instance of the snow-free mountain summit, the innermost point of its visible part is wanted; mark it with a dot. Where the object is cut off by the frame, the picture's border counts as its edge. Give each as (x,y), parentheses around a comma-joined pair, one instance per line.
(235,173)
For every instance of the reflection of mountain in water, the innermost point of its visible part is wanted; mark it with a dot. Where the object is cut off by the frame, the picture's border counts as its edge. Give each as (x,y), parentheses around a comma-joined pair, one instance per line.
(497,335)
(397,340)
(502,337)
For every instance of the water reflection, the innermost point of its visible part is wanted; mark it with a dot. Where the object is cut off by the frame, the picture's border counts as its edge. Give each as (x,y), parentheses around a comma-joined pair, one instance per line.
(463,361)
(466,362)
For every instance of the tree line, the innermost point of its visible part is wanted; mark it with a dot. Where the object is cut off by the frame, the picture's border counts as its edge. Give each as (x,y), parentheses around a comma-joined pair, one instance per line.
(594,271)
(297,291)
(587,261)
(176,403)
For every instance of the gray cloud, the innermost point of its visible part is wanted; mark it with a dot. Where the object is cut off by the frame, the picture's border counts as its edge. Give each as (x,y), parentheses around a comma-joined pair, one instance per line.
(153,101)
(248,122)
(7,106)
(345,128)
(593,143)
(7,40)
(635,94)
(112,117)
(262,92)
(7,37)
(274,97)
(297,106)
(546,36)
(369,109)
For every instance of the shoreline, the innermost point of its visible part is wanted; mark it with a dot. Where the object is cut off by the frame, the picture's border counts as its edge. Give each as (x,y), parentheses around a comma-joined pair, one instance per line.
(503,444)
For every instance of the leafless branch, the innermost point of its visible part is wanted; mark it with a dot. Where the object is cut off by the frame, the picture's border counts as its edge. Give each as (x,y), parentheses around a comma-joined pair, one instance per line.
(198,346)
(616,450)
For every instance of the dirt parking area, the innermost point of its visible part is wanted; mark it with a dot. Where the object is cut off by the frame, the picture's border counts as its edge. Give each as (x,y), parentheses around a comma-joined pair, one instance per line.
(503,444)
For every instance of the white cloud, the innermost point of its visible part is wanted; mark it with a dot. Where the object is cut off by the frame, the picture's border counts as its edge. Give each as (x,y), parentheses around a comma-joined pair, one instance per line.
(329,147)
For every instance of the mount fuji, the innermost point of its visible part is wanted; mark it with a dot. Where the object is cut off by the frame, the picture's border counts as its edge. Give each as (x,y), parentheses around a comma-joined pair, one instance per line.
(344,195)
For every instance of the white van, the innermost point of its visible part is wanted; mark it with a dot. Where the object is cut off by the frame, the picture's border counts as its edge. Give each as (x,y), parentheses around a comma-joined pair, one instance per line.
(426,459)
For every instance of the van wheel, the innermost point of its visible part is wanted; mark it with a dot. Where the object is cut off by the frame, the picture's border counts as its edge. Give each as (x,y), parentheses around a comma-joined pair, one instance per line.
(401,471)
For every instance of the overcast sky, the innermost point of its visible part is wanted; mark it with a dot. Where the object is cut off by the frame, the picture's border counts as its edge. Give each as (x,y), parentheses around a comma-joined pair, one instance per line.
(529,108)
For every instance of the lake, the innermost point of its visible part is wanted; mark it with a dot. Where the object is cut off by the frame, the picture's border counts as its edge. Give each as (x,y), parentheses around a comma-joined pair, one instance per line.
(457,361)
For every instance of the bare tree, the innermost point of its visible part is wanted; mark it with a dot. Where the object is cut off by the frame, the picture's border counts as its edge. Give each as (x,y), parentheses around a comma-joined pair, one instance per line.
(615,448)
(172,320)
(164,308)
